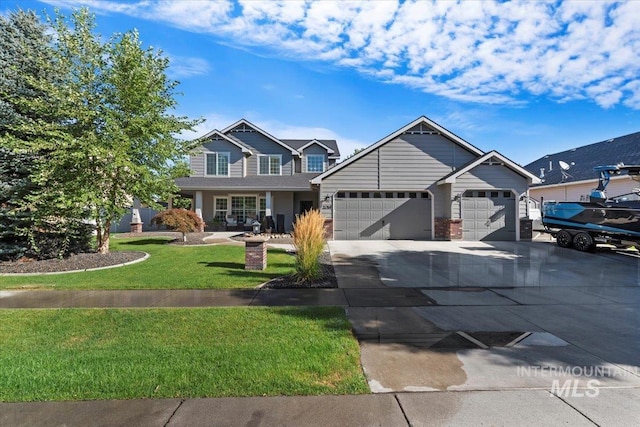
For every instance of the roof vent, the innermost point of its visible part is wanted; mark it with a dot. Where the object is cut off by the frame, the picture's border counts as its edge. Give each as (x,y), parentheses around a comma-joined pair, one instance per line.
(610,140)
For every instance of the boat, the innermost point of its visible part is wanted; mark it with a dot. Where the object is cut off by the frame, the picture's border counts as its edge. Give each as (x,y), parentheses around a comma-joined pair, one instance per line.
(608,220)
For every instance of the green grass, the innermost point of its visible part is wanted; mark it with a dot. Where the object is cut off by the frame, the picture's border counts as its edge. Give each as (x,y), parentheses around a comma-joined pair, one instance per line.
(169,267)
(80,354)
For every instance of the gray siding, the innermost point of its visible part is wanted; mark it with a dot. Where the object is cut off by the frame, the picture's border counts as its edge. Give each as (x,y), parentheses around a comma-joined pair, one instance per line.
(260,144)
(235,158)
(409,162)
(486,177)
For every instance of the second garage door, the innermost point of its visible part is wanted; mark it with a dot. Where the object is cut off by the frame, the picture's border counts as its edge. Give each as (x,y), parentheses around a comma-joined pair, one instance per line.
(382,215)
(488,215)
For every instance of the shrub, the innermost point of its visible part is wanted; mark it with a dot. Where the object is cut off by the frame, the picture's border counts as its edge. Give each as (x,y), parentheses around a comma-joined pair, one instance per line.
(59,238)
(180,220)
(309,240)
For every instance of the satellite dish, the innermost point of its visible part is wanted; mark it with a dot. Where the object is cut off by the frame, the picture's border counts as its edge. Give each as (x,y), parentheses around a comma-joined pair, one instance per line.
(565,167)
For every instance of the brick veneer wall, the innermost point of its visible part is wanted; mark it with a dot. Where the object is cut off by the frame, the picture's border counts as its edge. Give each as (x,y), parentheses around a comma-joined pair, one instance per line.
(136,227)
(255,254)
(328,229)
(526,229)
(448,229)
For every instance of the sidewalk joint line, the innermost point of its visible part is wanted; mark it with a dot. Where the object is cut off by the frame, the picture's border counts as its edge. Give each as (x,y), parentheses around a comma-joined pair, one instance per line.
(574,408)
(174,412)
(404,414)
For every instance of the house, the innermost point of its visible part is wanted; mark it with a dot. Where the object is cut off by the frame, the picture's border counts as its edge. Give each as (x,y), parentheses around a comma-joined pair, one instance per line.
(243,173)
(569,175)
(424,182)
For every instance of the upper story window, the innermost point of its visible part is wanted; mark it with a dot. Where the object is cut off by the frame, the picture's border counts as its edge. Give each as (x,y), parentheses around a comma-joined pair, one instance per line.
(315,163)
(217,164)
(270,164)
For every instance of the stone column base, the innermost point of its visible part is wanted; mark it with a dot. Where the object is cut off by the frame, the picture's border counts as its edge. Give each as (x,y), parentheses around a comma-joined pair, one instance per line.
(447,229)
(328,229)
(526,229)
(136,227)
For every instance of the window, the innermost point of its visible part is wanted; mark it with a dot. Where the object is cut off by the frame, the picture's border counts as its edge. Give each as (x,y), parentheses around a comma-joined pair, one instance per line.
(365,195)
(413,195)
(340,195)
(220,205)
(507,194)
(217,164)
(377,195)
(494,194)
(315,163)
(270,164)
(243,207)
(401,195)
(353,195)
(388,195)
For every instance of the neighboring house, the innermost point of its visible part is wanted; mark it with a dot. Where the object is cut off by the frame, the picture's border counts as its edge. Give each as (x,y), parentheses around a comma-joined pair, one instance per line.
(424,182)
(245,173)
(575,181)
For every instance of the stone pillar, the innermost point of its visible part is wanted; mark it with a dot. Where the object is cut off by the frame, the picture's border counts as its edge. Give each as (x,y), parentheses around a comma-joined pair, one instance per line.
(255,253)
(526,229)
(136,221)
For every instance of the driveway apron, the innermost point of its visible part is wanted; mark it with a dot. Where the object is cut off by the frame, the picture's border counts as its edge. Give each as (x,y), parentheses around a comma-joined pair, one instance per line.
(461,316)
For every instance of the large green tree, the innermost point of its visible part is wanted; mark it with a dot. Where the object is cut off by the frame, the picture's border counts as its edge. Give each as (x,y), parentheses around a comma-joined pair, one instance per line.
(24,45)
(114,133)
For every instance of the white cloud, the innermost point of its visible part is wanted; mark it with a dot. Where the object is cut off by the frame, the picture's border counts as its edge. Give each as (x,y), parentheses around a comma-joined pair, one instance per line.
(182,66)
(483,51)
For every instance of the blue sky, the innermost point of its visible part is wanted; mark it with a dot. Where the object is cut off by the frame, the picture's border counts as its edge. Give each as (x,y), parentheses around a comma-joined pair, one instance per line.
(523,78)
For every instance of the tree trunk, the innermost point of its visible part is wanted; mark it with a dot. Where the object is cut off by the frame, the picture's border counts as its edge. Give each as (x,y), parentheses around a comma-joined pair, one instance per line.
(103,238)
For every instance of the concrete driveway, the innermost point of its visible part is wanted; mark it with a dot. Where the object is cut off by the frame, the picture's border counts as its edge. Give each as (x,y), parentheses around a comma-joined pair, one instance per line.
(495,316)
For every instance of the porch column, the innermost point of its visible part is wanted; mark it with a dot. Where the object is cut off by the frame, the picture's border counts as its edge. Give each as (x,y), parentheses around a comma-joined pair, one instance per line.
(198,207)
(267,199)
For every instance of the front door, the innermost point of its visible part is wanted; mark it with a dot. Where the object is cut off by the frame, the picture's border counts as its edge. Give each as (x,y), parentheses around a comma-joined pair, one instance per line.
(305,205)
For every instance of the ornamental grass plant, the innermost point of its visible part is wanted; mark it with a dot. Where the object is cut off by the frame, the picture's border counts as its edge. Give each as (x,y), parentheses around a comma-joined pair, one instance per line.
(309,240)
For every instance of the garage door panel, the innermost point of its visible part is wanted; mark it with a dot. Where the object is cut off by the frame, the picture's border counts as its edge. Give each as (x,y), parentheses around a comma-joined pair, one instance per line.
(384,218)
(485,218)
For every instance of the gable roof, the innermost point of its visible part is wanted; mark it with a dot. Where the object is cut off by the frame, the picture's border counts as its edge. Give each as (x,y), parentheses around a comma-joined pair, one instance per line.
(451,178)
(582,160)
(227,138)
(257,129)
(420,120)
(328,144)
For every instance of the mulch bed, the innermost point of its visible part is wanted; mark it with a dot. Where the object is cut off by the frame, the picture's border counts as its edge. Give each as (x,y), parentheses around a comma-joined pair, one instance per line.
(74,262)
(328,279)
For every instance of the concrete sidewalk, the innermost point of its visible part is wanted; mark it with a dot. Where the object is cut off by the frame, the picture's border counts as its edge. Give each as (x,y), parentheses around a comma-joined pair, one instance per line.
(497,408)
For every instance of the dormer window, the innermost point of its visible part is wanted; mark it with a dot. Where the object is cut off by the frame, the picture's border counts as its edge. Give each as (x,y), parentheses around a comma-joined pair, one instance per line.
(217,164)
(315,163)
(270,164)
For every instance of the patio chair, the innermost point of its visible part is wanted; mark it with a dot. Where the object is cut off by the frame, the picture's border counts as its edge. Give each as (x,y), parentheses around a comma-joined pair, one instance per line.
(231,222)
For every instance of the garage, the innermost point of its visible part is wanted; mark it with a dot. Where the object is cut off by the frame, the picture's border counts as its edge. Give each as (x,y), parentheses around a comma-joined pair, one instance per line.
(488,215)
(376,215)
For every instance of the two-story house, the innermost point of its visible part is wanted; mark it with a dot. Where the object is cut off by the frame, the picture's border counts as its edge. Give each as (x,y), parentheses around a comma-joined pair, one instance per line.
(244,173)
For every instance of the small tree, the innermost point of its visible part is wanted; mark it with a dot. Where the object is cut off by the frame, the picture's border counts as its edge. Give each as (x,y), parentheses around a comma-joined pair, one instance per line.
(112,132)
(180,220)
(309,241)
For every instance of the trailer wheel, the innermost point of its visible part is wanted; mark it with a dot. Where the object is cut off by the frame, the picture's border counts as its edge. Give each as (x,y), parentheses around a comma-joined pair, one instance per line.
(583,242)
(564,239)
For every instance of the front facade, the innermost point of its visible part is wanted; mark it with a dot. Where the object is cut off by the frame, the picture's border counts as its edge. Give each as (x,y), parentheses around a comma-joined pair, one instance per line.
(568,176)
(423,182)
(245,174)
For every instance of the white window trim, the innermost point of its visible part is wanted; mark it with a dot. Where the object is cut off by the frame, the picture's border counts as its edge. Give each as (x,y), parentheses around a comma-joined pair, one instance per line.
(217,153)
(270,155)
(215,199)
(322,156)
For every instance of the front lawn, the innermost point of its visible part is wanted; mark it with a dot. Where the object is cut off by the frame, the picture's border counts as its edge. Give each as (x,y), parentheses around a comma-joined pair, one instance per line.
(169,267)
(76,354)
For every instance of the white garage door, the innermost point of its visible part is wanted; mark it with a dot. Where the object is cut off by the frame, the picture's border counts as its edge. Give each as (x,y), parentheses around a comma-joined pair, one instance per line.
(396,215)
(488,215)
